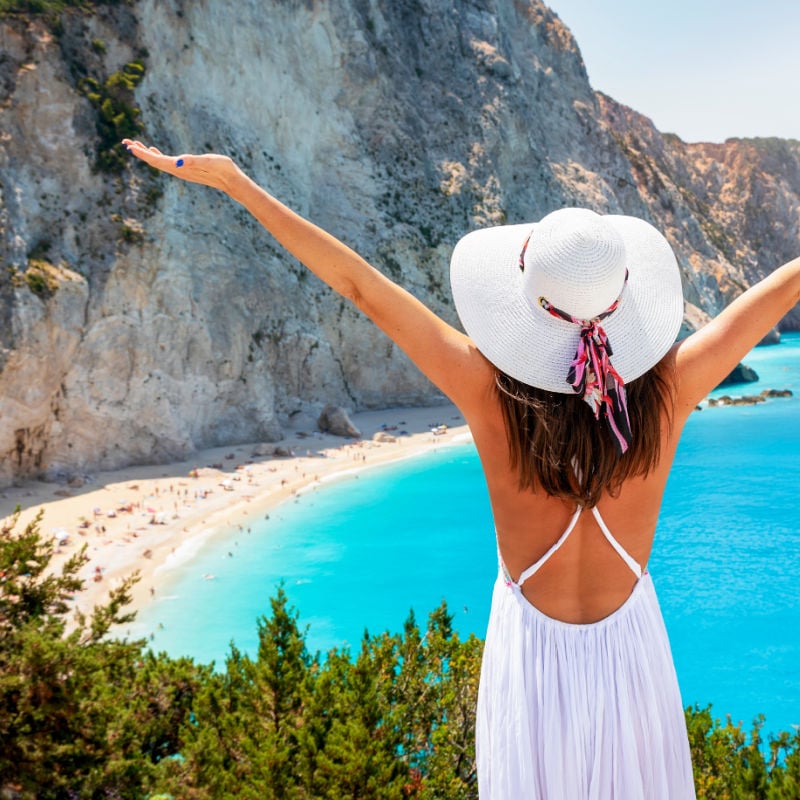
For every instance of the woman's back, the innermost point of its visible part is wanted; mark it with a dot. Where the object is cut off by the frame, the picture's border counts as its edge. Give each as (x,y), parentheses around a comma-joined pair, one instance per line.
(586,579)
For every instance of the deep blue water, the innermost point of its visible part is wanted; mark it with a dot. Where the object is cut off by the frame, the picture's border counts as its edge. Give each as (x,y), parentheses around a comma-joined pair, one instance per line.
(360,552)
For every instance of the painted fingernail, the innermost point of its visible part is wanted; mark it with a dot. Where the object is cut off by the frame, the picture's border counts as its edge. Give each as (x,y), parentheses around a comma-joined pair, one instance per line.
(179,162)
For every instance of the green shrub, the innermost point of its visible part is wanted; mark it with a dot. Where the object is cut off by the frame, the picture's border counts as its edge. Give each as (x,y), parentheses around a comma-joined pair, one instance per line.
(39,279)
(36,282)
(116,115)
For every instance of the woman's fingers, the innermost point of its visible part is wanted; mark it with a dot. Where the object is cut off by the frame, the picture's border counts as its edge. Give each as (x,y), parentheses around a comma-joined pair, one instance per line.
(154,157)
(134,145)
(209,169)
(139,149)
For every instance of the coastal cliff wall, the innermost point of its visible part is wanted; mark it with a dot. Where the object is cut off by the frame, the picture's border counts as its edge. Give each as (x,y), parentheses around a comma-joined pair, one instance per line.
(142,318)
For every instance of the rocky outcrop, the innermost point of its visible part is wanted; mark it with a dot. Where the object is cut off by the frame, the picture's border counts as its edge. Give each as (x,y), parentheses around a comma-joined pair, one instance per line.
(744,400)
(741,374)
(141,318)
(748,399)
(336,420)
(731,211)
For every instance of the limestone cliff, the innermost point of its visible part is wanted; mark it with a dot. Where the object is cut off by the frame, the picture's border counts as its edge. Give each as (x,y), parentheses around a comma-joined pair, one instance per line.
(141,318)
(731,211)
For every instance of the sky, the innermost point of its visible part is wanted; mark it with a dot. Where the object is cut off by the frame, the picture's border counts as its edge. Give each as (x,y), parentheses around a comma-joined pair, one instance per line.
(706,70)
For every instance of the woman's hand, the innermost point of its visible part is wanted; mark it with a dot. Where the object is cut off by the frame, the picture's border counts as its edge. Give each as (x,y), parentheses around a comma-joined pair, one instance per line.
(210,169)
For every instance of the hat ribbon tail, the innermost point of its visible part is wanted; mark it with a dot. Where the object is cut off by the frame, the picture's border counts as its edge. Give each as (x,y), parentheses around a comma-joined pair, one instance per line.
(592,375)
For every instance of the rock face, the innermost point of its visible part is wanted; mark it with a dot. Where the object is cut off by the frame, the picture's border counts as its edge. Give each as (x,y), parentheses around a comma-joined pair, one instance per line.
(731,211)
(142,318)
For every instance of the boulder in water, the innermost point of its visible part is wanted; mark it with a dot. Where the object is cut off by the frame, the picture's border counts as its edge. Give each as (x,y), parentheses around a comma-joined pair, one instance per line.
(741,374)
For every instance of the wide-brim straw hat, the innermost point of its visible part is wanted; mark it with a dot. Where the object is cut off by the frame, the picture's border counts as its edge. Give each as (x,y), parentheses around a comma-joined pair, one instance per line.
(581,263)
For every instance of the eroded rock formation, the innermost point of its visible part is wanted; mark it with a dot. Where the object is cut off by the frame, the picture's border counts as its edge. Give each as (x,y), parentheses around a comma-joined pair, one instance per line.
(141,319)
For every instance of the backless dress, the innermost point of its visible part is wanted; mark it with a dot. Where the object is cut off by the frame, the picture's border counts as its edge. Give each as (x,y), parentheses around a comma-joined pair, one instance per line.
(580,711)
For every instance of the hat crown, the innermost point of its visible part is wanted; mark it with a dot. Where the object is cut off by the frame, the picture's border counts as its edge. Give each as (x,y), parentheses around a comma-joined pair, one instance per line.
(576,261)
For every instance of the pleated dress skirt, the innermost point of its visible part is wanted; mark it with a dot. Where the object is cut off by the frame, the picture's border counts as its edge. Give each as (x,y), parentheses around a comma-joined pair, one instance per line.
(580,711)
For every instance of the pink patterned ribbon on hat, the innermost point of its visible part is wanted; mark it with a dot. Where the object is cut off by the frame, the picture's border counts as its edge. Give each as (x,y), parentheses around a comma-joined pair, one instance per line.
(592,375)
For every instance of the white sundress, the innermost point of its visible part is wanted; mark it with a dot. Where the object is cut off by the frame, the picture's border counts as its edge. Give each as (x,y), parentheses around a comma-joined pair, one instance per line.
(580,711)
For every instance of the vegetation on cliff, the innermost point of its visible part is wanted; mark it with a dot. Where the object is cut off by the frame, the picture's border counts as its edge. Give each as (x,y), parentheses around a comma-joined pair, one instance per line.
(86,715)
(110,93)
(50,8)
(117,115)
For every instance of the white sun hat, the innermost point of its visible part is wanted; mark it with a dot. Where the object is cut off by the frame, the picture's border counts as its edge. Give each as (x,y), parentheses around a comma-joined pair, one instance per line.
(514,286)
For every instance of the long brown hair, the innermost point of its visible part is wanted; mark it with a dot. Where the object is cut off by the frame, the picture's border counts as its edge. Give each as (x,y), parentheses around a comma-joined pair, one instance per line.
(557,446)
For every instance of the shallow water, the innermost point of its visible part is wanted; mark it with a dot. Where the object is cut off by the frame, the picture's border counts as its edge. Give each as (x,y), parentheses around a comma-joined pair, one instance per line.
(360,552)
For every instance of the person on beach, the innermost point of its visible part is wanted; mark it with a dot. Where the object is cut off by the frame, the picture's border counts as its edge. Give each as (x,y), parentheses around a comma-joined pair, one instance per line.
(576,393)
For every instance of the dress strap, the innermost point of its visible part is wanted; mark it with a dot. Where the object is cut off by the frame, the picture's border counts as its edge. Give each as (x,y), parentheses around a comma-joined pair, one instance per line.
(531,570)
(634,565)
(623,553)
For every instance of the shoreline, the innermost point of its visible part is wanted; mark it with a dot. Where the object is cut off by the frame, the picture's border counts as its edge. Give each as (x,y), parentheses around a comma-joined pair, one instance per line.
(155,518)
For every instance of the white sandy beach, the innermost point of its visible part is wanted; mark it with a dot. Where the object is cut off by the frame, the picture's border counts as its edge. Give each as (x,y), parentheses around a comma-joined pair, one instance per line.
(141,518)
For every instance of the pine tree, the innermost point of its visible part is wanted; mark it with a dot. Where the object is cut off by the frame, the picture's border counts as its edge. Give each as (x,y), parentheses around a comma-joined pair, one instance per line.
(244,736)
(79,710)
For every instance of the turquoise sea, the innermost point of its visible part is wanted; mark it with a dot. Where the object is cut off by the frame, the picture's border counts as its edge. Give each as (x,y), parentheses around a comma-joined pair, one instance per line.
(360,552)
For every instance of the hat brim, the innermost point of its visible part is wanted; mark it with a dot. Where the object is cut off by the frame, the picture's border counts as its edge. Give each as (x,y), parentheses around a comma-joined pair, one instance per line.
(526,342)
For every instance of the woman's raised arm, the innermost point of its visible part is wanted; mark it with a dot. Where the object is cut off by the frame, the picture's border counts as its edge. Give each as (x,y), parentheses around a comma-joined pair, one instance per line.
(445,355)
(705,358)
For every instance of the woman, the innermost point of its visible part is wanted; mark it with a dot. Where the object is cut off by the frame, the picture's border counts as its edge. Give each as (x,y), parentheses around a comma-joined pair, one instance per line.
(576,394)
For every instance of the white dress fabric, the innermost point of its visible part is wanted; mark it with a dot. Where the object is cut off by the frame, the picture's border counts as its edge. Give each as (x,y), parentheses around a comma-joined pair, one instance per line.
(580,711)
